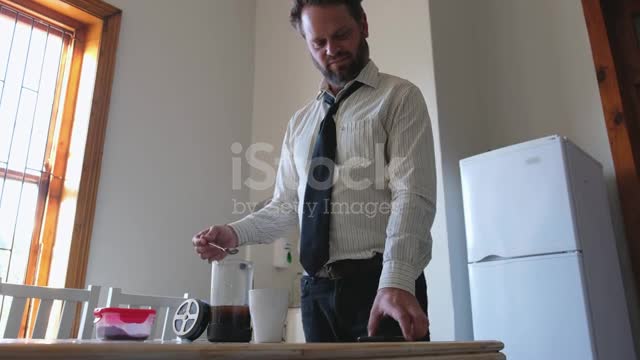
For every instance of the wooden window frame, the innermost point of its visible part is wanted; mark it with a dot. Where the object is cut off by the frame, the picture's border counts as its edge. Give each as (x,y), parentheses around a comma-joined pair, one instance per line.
(96,25)
(620,136)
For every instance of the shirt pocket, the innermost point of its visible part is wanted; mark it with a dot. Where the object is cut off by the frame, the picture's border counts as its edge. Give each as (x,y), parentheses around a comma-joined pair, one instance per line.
(356,142)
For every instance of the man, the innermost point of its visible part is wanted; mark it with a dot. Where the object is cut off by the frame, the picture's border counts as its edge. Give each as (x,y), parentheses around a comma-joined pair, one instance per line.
(357,167)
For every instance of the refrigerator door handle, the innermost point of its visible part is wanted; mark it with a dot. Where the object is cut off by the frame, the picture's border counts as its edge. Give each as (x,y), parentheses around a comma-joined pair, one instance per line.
(491,258)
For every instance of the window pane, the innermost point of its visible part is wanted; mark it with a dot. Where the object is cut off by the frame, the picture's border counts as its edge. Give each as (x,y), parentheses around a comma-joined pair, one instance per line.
(35,53)
(5,301)
(4,264)
(1,190)
(23,234)
(13,83)
(26,130)
(22,131)
(8,212)
(7,25)
(15,272)
(6,305)
(35,56)
(46,96)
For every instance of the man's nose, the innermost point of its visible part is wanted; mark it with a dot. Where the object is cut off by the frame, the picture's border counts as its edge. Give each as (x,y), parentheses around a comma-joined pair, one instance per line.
(333,48)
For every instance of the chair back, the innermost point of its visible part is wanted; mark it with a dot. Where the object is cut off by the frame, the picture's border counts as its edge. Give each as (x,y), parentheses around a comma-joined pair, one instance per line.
(69,297)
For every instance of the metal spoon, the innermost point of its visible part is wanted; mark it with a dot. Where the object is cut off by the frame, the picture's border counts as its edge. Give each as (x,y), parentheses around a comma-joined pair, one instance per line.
(231,251)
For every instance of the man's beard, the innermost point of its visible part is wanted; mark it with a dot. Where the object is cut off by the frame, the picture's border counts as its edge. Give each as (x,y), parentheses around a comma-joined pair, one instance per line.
(341,78)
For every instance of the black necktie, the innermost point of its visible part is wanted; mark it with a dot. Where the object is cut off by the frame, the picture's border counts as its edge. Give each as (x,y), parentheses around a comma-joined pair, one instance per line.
(316,218)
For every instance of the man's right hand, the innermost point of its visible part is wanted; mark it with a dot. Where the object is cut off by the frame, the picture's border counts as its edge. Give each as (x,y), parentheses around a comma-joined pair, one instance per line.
(222,235)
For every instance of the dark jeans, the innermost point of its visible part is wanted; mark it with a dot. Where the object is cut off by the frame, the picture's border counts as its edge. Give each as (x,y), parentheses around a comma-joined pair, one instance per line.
(337,310)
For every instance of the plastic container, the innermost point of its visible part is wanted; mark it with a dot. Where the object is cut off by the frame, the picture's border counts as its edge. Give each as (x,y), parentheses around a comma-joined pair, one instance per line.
(123,324)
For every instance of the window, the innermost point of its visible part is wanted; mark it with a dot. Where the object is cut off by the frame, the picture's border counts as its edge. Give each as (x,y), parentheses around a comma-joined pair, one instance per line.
(32,58)
(56,68)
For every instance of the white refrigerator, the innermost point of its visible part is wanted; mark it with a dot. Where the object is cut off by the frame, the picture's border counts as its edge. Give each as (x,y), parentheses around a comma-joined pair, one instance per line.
(543,264)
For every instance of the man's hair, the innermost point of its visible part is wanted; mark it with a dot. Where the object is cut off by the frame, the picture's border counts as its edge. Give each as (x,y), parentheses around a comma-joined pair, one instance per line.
(354,7)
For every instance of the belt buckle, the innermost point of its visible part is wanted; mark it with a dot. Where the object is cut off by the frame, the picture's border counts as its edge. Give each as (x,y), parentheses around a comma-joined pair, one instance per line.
(323,273)
(332,272)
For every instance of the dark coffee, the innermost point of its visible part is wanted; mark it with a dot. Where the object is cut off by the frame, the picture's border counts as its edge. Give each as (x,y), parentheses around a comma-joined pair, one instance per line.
(229,324)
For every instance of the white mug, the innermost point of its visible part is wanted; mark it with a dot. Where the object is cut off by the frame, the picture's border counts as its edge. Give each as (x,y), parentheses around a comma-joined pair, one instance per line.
(268,313)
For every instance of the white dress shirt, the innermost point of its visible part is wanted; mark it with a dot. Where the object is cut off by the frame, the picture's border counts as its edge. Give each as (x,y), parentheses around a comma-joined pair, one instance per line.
(384,192)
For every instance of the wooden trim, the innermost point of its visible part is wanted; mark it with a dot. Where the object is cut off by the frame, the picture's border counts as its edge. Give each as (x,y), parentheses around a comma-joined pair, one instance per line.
(27,323)
(63,144)
(19,176)
(83,226)
(90,176)
(44,13)
(96,8)
(70,11)
(34,248)
(618,130)
(63,73)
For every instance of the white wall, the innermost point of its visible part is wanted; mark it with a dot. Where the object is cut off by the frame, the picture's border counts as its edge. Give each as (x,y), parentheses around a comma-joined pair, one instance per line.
(182,95)
(285,80)
(462,129)
(506,72)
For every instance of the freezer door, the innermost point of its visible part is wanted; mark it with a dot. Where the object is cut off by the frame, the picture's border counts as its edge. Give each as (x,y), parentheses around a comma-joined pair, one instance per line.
(517,202)
(536,306)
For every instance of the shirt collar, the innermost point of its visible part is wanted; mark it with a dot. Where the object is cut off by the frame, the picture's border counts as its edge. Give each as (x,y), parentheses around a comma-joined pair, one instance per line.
(368,76)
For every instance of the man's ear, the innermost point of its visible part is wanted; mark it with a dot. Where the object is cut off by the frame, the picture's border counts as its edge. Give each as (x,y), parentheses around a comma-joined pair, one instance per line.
(364,26)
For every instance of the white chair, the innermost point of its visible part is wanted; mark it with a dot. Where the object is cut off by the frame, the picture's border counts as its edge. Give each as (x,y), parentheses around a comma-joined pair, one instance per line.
(165,307)
(69,297)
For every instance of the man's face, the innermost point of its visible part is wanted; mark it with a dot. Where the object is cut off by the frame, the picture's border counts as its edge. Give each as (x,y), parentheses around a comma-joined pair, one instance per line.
(336,42)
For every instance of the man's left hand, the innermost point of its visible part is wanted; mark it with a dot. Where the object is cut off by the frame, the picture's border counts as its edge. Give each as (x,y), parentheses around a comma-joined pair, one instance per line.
(403,307)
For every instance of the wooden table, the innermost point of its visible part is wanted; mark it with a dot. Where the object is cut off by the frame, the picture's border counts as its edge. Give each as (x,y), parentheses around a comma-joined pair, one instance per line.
(93,349)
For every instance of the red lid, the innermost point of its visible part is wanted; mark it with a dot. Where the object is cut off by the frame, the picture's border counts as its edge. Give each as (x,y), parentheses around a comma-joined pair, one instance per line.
(127,315)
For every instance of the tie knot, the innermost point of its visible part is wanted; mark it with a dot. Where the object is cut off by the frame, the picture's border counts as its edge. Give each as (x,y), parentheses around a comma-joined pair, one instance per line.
(329,99)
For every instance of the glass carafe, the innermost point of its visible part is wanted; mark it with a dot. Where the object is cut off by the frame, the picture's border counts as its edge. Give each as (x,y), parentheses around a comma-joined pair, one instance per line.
(231,281)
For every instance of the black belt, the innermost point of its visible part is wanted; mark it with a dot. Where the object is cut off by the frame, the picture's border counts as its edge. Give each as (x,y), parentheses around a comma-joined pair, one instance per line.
(350,268)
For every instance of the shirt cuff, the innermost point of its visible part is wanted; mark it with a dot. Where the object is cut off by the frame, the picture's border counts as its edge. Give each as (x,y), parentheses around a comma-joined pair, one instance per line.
(245,230)
(399,275)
